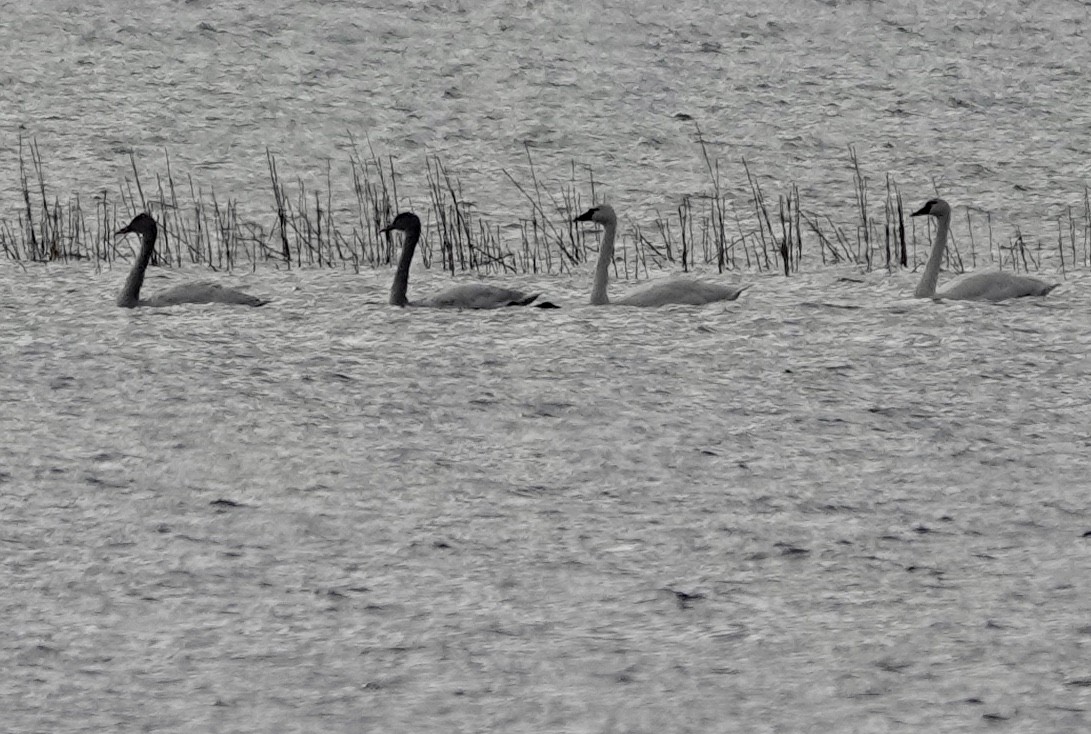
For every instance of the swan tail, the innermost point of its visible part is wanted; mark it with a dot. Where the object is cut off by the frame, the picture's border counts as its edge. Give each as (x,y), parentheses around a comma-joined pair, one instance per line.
(739,292)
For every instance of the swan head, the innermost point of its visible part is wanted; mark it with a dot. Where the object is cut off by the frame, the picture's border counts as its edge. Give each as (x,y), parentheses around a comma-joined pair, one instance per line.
(142,224)
(406,222)
(601,214)
(933,208)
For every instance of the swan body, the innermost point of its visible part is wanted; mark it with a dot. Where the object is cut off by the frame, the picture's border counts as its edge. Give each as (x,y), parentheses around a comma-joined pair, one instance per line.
(477,295)
(145,226)
(200,293)
(470,295)
(684,291)
(976,287)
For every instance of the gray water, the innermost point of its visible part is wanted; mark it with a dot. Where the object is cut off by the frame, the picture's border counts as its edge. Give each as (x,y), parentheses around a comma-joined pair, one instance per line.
(986,100)
(825,507)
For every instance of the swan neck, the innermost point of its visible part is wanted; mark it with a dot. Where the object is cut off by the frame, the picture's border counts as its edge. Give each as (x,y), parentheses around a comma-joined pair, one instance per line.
(130,294)
(401,276)
(602,267)
(927,287)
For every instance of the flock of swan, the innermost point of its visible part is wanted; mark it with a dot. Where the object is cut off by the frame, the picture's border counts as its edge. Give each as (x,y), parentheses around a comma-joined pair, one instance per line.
(977,287)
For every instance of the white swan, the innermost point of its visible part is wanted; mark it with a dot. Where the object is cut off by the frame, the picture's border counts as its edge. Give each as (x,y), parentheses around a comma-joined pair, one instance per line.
(977,287)
(145,226)
(471,295)
(676,290)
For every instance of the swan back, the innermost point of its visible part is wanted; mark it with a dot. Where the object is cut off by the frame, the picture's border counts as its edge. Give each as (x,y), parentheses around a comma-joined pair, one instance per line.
(478,296)
(202,293)
(682,291)
(996,287)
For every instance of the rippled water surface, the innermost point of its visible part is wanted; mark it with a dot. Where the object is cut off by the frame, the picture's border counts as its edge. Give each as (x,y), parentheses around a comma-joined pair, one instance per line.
(985,100)
(825,507)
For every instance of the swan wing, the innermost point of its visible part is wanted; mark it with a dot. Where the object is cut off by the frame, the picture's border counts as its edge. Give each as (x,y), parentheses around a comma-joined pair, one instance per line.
(681,291)
(996,287)
(203,293)
(478,295)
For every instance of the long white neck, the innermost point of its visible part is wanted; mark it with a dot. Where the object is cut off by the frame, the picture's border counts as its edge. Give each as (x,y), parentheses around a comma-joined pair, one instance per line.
(602,267)
(927,287)
(401,276)
(130,294)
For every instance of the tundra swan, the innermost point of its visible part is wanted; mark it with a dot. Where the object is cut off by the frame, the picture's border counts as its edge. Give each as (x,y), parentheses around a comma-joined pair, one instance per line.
(145,226)
(676,290)
(470,295)
(976,287)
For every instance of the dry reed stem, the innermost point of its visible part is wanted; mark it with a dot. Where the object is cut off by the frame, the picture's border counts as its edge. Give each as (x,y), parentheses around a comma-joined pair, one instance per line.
(310,227)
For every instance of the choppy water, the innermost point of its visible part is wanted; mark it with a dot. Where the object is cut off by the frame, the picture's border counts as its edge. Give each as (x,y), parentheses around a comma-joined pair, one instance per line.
(986,100)
(825,507)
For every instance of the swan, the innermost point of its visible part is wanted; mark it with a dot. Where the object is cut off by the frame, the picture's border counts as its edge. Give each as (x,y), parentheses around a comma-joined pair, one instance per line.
(977,287)
(677,290)
(470,295)
(145,226)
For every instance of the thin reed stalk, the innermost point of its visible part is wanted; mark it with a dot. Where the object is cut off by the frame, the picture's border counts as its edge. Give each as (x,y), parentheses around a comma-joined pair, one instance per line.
(310,226)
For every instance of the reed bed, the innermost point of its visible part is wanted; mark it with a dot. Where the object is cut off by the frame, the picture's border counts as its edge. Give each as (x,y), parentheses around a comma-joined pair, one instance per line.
(307,227)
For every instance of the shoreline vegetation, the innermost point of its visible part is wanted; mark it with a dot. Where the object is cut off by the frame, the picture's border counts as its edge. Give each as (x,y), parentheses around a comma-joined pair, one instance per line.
(306,227)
